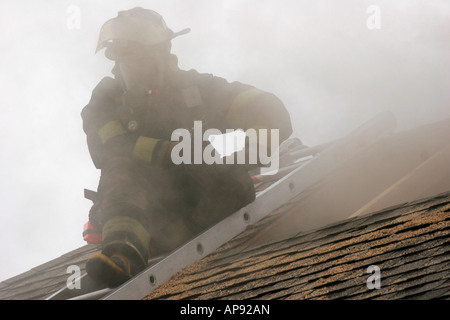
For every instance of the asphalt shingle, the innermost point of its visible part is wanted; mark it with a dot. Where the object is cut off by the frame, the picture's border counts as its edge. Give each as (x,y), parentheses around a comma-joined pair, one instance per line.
(409,244)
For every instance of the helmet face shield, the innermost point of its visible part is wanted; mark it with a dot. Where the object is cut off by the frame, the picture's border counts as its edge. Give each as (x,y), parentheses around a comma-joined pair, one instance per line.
(138,25)
(139,41)
(135,29)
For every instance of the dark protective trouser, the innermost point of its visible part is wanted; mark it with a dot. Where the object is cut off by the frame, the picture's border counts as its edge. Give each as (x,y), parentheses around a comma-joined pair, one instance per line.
(172,205)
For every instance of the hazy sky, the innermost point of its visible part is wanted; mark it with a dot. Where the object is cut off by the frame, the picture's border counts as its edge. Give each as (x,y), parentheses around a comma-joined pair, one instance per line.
(335,64)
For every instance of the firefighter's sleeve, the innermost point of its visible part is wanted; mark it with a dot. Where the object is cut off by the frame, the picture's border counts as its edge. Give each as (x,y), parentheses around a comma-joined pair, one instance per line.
(257,109)
(243,106)
(106,135)
(146,150)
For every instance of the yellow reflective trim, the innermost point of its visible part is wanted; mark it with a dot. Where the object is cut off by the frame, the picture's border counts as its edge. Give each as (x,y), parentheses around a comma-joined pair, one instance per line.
(234,116)
(143,150)
(111,129)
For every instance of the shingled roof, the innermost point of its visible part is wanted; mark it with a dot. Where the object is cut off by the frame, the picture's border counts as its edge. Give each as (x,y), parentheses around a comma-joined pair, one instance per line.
(43,280)
(409,244)
(320,243)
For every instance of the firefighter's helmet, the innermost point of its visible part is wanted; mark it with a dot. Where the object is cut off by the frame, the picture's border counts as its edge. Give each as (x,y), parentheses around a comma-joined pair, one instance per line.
(140,26)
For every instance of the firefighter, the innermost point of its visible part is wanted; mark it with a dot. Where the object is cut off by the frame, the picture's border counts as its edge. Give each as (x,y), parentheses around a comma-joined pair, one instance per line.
(147,205)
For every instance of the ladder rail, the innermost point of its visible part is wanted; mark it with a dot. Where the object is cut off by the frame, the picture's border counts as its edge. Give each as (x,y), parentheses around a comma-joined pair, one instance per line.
(326,158)
(268,200)
(199,247)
